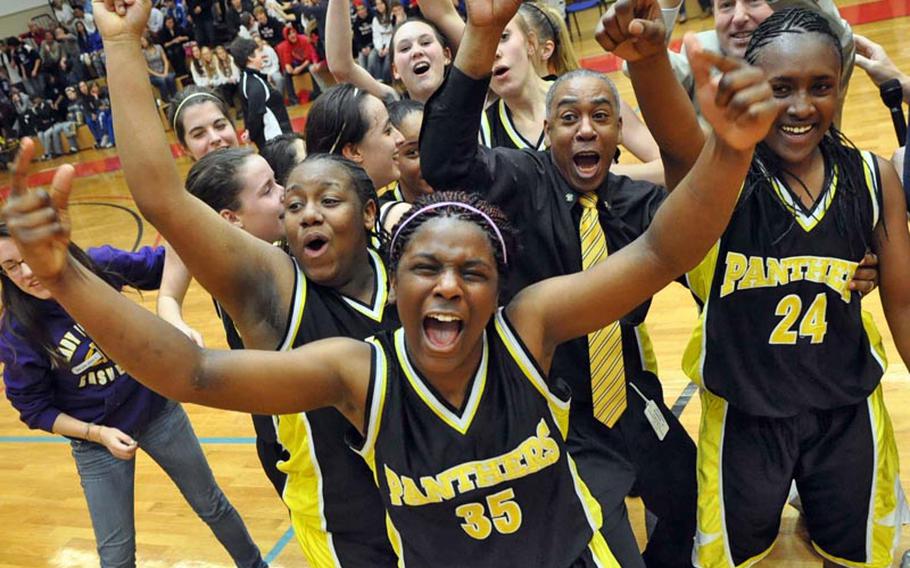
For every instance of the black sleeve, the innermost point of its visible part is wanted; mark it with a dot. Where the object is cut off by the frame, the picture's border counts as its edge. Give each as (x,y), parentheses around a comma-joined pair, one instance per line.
(451,156)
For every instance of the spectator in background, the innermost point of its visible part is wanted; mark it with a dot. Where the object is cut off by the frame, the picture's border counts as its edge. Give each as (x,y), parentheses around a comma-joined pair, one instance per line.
(232,14)
(101,104)
(51,54)
(156,20)
(97,119)
(91,49)
(315,10)
(87,20)
(270,29)
(63,12)
(271,67)
(276,10)
(203,21)
(29,62)
(362,25)
(8,62)
(176,10)
(71,62)
(399,14)
(264,112)
(382,35)
(203,68)
(25,116)
(298,56)
(172,38)
(75,117)
(34,36)
(228,74)
(249,27)
(55,95)
(159,68)
(44,119)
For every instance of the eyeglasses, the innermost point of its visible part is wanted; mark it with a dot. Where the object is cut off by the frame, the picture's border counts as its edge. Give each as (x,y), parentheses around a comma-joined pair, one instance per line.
(12,267)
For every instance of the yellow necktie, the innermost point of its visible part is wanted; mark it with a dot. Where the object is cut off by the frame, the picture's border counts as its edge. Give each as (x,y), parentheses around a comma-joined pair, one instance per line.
(608,382)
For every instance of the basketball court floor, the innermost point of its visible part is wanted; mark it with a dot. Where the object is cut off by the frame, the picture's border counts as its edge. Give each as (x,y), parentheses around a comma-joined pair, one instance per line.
(43,516)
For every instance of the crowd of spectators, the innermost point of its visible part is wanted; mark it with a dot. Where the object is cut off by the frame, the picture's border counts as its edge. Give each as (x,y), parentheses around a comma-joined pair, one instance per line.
(52,81)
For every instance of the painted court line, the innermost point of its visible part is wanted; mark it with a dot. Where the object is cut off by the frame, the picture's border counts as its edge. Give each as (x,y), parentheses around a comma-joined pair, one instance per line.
(279,546)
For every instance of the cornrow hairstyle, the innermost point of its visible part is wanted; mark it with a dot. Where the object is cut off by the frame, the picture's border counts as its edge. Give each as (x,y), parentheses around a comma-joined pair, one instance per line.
(414,218)
(281,155)
(360,183)
(193,96)
(336,119)
(544,23)
(400,110)
(26,310)
(214,180)
(838,152)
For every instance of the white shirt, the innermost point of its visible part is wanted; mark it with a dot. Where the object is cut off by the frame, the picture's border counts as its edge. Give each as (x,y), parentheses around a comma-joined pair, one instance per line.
(156,20)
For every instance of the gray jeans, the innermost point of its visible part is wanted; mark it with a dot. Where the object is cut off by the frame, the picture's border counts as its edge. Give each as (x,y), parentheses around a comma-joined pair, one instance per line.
(109,483)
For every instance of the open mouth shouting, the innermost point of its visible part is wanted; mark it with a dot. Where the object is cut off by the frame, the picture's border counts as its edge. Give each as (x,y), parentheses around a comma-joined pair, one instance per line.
(315,245)
(421,68)
(442,330)
(586,163)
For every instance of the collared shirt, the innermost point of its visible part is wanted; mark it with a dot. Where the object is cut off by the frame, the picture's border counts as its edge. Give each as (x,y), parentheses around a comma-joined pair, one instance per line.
(528,187)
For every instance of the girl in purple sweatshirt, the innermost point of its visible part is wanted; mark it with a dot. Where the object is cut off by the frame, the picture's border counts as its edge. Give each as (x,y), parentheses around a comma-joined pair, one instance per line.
(61,382)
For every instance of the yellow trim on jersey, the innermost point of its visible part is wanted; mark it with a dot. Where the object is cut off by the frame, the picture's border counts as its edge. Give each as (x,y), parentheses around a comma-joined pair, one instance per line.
(303,496)
(645,348)
(558,408)
(298,305)
(872,183)
(887,506)
(712,548)
(380,287)
(484,134)
(603,556)
(377,405)
(808,221)
(699,280)
(876,345)
(386,188)
(513,133)
(458,423)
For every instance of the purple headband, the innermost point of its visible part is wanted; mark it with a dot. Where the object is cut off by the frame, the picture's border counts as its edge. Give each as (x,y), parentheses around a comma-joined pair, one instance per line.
(465,206)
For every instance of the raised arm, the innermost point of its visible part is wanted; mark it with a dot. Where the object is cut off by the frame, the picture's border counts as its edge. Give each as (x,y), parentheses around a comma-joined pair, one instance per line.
(444,16)
(240,271)
(339,36)
(683,230)
(174,283)
(634,30)
(334,372)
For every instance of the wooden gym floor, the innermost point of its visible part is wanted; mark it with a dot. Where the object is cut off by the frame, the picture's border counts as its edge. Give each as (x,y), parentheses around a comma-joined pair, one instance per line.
(42,509)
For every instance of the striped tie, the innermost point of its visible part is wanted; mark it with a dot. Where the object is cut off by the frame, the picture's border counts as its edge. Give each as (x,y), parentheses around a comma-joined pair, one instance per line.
(608,384)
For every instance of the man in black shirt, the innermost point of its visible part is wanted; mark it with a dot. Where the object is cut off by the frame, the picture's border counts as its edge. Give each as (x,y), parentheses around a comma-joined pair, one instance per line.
(203,20)
(646,448)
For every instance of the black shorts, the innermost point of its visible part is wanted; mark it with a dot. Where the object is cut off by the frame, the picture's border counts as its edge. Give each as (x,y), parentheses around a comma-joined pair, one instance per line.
(845,465)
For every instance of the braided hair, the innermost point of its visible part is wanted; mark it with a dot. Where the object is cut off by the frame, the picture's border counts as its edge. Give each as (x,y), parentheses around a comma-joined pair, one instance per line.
(840,155)
(417,215)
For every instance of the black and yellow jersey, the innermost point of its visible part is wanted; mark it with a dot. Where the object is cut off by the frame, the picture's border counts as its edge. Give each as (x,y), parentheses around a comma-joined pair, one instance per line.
(779,330)
(335,509)
(488,484)
(498,131)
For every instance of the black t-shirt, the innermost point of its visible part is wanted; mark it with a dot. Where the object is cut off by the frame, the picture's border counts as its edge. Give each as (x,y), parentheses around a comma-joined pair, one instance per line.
(363,33)
(528,187)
